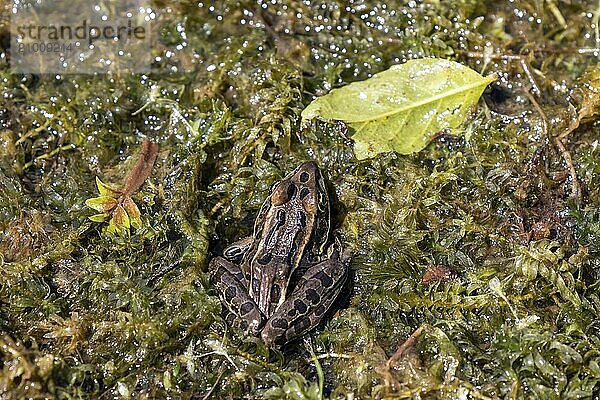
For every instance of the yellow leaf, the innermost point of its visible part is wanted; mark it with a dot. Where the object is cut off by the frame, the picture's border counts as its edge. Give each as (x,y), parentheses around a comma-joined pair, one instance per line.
(106,190)
(403,108)
(112,227)
(103,204)
(100,217)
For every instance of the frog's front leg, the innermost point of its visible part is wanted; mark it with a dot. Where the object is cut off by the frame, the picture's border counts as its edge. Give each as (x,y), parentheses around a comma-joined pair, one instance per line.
(237,250)
(233,291)
(313,296)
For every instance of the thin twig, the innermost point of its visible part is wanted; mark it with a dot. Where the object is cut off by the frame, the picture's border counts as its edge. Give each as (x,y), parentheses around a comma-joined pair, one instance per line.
(595,23)
(408,343)
(314,359)
(575,187)
(589,50)
(575,121)
(532,81)
(212,389)
(522,59)
(331,355)
(48,155)
(386,370)
(546,50)
(557,14)
(540,111)
(32,132)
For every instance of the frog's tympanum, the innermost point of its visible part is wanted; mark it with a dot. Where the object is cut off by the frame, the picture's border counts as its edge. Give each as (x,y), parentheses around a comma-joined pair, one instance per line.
(279,282)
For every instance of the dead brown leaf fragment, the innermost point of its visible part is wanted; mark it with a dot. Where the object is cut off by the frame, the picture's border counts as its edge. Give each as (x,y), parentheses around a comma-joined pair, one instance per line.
(437,273)
(117,206)
(142,168)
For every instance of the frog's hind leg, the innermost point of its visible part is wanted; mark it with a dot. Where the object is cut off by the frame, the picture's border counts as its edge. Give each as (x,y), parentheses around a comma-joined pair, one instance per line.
(233,291)
(313,296)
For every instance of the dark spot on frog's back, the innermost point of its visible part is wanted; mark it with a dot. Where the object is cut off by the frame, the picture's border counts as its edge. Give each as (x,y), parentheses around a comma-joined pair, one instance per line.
(313,296)
(292,253)
(246,308)
(280,217)
(265,259)
(326,280)
(291,191)
(280,323)
(275,291)
(302,324)
(300,306)
(304,177)
(230,293)
(303,193)
(302,219)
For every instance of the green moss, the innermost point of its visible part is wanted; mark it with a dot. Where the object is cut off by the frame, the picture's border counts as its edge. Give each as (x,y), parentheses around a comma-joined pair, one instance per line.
(83,315)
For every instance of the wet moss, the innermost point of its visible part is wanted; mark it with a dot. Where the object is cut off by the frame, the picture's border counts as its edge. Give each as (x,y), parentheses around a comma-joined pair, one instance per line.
(86,315)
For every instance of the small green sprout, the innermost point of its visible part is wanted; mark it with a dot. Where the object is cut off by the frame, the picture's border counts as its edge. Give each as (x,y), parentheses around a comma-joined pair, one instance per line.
(117,206)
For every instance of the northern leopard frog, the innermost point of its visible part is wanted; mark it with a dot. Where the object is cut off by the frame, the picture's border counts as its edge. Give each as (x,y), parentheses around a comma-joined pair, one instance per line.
(279,282)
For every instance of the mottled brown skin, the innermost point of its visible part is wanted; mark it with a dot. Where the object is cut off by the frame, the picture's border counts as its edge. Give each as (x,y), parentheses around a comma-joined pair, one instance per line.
(254,275)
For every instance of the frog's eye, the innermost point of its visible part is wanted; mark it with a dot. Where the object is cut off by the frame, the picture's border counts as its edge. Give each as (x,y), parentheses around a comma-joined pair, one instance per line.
(283,192)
